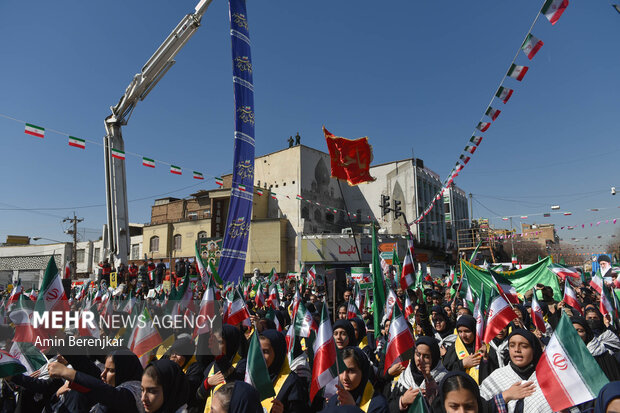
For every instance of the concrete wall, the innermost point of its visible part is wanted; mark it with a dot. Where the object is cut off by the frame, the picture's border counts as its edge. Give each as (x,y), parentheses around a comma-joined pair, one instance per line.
(267,246)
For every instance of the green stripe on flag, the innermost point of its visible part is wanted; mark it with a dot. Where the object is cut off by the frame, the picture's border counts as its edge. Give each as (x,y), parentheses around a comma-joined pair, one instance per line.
(256,372)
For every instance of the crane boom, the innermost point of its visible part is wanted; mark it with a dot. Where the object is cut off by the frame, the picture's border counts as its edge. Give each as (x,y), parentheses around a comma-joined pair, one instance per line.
(117,248)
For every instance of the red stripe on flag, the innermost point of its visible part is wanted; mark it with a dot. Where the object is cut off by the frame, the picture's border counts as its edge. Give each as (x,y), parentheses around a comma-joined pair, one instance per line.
(38,135)
(324,358)
(551,386)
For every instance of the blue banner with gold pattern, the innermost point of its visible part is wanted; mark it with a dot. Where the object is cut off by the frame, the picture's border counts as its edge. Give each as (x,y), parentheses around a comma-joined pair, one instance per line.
(235,244)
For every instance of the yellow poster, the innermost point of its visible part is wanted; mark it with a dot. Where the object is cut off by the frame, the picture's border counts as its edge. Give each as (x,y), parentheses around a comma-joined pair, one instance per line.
(166,286)
(113,282)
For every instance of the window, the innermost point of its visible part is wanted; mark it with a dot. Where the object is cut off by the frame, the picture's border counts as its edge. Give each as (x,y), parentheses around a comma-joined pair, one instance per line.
(135,252)
(154,244)
(329,218)
(207,212)
(192,216)
(202,234)
(177,242)
(80,256)
(305,213)
(96,256)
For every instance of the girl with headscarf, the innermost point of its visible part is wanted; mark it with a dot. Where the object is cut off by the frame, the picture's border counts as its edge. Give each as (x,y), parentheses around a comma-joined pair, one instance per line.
(355,388)
(498,350)
(361,338)
(344,334)
(164,387)
(443,327)
(236,397)
(515,386)
(423,374)
(606,361)
(228,366)
(458,392)
(118,389)
(291,396)
(463,356)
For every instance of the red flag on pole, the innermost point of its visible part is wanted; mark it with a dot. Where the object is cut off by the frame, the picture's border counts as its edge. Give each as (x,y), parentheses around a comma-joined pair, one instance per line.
(350,158)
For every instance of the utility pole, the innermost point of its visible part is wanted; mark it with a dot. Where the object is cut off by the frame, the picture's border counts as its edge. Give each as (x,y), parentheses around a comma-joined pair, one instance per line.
(73,231)
(512,241)
(471,208)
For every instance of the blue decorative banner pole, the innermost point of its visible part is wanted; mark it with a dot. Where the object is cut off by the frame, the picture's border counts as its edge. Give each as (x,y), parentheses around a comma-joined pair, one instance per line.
(235,244)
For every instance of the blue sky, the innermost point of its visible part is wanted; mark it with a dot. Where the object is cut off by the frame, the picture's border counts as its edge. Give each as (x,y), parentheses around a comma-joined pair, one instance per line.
(412,76)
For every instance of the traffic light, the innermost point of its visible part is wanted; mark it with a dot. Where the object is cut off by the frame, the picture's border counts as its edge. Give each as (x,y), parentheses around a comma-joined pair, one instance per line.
(397,209)
(385,205)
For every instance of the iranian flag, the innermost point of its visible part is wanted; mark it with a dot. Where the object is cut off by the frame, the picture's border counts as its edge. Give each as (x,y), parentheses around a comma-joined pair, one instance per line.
(324,368)
(597,282)
(304,322)
(352,310)
(572,376)
(175,170)
(299,197)
(118,154)
(570,298)
(503,94)
(483,126)
(400,342)
(259,298)
(531,46)
(272,300)
(471,149)
(537,314)
(505,289)
(273,195)
(237,310)
(197,175)
(475,140)
(145,339)
(21,316)
(259,192)
(493,113)
(28,355)
(606,305)
(219,181)
(553,9)
(148,162)
(77,142)
(10,366)
(256,373)
(563,272)
(34,130)
(499,315)
(16,292)
(409,309)
(390,300)
(312,274)
(242,188)
(407,277)
(517,72)
(464,159)
(52,293)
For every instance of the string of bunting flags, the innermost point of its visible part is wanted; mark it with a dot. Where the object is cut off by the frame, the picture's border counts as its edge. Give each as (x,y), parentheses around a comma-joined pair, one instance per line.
(552,10)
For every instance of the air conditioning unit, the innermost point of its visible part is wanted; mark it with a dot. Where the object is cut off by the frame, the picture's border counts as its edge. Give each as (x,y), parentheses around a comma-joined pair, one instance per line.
(348,231)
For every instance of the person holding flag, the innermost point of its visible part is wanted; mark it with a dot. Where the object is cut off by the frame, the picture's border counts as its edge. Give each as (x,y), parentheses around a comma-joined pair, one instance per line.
(290,394)
(462,355)
(424,372)
(355,388)
(362,340)
(515,386)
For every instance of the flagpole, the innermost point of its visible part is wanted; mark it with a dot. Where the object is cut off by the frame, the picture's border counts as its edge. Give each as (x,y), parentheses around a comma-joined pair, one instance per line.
(359,255)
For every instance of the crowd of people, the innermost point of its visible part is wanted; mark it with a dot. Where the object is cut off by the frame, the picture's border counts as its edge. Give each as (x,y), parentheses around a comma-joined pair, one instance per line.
(445,373)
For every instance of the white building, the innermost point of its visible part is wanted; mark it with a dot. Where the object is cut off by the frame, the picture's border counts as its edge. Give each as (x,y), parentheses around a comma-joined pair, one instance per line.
(28,262)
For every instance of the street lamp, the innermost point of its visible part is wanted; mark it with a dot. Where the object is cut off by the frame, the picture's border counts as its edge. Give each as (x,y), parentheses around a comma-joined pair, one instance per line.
(48,239)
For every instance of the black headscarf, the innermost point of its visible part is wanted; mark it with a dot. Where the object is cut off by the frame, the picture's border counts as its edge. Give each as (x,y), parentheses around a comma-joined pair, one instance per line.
(470,384)
(245,399)
(431,342)
(127,366)
(183,346)
(441,312)
(526,372)
(468,322)
(582,322)
(608,393)
(233,338)
(597,326)
(361,330)
(278,343)
(348,327)
(174,384)
(364,365)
